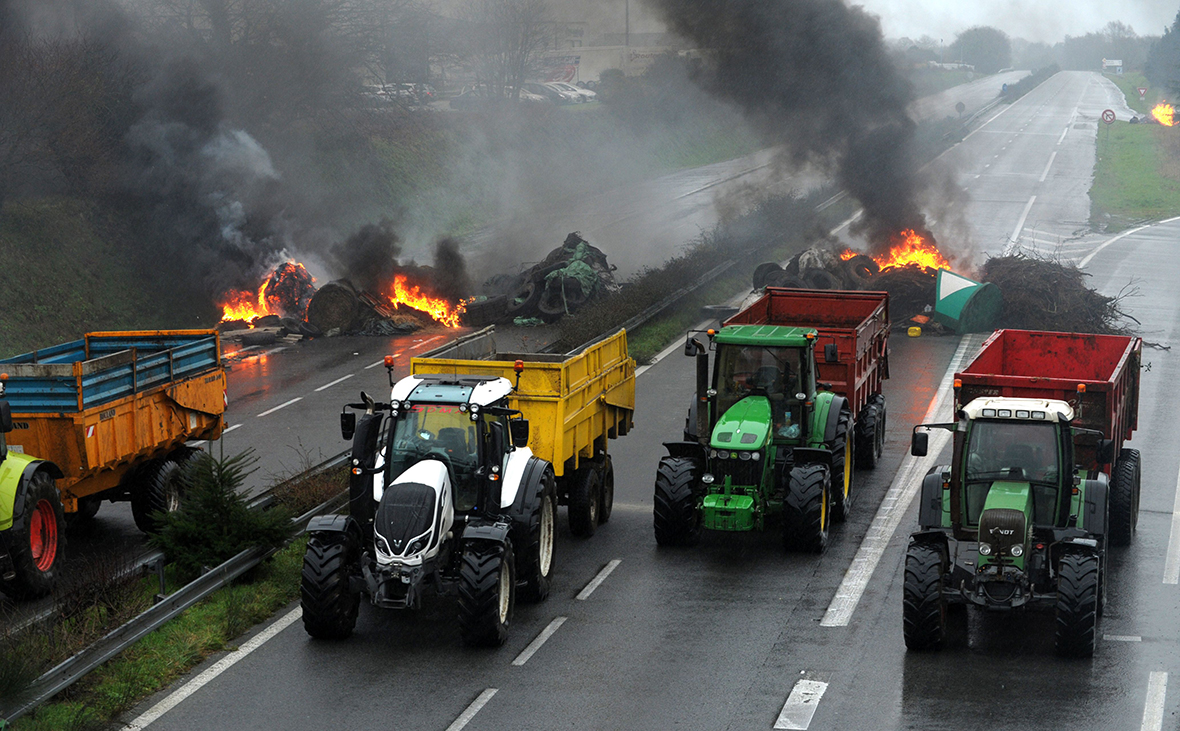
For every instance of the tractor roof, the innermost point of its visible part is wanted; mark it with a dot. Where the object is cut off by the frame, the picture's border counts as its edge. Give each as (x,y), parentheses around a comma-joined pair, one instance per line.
(764,335)
(1033,409)
(451,389)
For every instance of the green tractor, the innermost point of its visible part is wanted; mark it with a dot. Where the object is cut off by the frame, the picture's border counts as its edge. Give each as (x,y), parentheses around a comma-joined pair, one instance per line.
(764,444)
(1012,522)
(32,521)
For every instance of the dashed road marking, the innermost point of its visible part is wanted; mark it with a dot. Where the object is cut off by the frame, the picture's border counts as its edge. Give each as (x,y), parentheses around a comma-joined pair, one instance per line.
(468,714)
(585,593)
(374,365)
(281,406)
(1153,707)
(1051,159)
(1020,225)
(326,386)
(1064,132)
(427,342)
(228,429)
(1122,638)
(535,645)
(801,704)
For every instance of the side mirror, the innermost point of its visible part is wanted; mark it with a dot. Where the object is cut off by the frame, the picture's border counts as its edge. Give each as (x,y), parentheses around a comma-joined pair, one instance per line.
(831,355)
(692,347)
(519,430)
(5,417)
(347,424)
(919,443)
(1105,453)
(497,442)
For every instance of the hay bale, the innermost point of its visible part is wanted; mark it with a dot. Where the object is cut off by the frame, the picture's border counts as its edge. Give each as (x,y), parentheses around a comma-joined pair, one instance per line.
(336,305)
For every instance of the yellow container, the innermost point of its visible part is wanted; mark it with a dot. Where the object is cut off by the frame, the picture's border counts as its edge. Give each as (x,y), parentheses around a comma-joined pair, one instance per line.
(914,332)
(574,404)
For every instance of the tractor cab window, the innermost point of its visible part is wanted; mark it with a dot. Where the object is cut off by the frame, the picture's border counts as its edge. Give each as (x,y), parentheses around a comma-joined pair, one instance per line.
(1013,451)
(442,432)
(776,373)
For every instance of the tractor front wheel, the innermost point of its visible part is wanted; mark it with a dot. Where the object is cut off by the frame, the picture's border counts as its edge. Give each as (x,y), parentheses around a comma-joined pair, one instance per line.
(676,518)
(923,608)
(37,540)
(487,593)
(807,509)
(1124,497)
(329,605)
(1077,604)
(535,565)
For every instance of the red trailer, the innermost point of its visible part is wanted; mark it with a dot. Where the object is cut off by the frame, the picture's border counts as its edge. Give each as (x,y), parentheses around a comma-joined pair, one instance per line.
(852,336)
(1096,374)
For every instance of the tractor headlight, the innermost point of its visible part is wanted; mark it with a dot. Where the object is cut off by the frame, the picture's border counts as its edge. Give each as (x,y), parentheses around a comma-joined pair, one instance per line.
(745,456)
(985,549)
(395,405)
(707,478)
(712,454)
(417,546)
(756,456)
(1017,550)
(723,454)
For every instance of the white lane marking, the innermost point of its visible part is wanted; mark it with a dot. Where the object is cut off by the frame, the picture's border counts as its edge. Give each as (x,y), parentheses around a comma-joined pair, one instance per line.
(466,716)
(229,429)
(374,365)
(1172,565)
(1082,264)
(427,342)
(1153,708)
(1051,159)
(535,645)
(1064,132)
(1122,638)
(906,484)
(1005,109)
(175,697)
(272,351)
(801,705)
(585,593)
(1015,238)
(281,406)
(201,443)
(326,386)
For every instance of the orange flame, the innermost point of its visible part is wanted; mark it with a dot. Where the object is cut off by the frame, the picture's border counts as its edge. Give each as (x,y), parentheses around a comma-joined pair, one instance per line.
(249,306)
(438,308)
(847,254)
(1163,113)
(914,250)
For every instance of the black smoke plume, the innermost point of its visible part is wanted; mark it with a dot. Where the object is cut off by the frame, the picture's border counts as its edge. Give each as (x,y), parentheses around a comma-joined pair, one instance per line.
(815,76)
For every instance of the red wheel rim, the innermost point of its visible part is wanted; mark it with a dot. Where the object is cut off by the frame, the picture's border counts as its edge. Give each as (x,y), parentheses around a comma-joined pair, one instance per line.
(43,535)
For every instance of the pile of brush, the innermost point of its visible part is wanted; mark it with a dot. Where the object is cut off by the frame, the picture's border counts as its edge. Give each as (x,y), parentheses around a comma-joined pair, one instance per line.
(1040,294)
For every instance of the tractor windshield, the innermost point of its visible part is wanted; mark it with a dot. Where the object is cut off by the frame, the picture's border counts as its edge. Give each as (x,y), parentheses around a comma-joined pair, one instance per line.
(1013,451)
(776,373)
(442,432)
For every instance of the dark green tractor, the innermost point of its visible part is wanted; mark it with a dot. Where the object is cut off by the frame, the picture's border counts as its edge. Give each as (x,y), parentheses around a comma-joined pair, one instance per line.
(765,445)
(1011,523)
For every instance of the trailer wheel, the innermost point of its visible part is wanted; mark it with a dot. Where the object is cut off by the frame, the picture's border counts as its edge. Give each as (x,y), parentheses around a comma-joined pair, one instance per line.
(868,444)
(1124,497)
(923,608)
(1077,604)
(535,564)
(676,518)
(158,490)
(608,490)
(842,461)
(585,496)
(87,508)
(36,541)
(487,593)
(806,510)
(329,606)
(878,401)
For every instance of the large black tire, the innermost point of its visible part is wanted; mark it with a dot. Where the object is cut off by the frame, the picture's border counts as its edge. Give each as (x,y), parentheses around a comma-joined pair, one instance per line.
(822,279)
(534,564)
(523,300)
(607,501)
(585,497)
(37,541)
(1124,497)
(158,489)
(87,508)
(329,606)
(763,271)
(867,439)
(923,608)
(676,518)
(806,516)
(843,458)
(487,593)
(1077,605)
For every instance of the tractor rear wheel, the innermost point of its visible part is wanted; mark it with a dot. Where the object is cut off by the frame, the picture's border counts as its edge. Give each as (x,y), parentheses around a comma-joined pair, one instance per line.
(607,499)
(1124,497)
(329,605)
(157,490)
(487,593)
(868,445)
(535,565)
(923,608)
(842,461)
(585,497)
(676,518)
(806,510)
(1077,605)
(37,541)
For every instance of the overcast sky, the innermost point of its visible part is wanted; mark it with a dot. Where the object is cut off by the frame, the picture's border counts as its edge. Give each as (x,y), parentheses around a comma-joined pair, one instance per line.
(1035,20)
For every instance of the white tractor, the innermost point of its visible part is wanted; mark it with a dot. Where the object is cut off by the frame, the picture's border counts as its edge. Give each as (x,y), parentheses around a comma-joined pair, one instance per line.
(444,496)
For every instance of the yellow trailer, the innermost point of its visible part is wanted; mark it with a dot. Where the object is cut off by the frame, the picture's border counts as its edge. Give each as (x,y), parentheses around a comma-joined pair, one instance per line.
(112,413)
(574,404)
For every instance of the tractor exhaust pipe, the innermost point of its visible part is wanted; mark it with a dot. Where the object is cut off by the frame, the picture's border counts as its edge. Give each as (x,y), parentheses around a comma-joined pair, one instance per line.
(695,348)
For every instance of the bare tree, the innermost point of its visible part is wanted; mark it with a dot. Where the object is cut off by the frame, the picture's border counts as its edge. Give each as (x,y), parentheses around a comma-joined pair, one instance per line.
(505,38)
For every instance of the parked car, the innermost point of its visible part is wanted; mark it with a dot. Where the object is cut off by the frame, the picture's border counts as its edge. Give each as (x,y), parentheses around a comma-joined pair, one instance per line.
(479,97)
(584,95)
(553,94)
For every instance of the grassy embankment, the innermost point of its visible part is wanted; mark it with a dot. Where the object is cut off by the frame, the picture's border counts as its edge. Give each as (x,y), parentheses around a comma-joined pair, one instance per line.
(1137,174)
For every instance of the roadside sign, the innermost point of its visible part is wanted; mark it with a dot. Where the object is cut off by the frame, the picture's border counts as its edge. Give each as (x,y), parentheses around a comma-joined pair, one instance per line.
(1142,92)
(1108,116)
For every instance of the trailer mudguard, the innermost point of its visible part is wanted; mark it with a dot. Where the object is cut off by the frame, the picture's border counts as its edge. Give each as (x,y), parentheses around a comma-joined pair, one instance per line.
(1093,518)
(930,509)
(685,450)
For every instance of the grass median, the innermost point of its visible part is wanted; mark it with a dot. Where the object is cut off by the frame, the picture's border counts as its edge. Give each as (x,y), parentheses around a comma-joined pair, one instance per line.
(1136,176)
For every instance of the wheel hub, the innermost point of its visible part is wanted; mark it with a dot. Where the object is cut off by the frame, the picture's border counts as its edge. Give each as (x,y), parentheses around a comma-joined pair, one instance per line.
(546,537)
(43,535)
